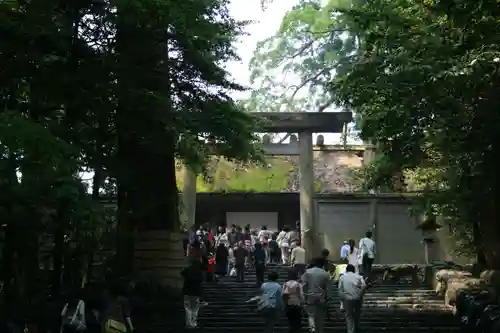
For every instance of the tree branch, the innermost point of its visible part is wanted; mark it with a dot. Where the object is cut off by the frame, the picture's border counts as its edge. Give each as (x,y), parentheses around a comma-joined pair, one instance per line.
(306,81)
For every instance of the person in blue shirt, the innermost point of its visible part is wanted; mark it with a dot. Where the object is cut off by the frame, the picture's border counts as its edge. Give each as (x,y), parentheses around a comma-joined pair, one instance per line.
(260,259)
(272,301)
(344,252)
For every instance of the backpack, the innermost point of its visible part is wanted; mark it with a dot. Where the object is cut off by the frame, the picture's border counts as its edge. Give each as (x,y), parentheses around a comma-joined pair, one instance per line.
(75,318)
(291,288)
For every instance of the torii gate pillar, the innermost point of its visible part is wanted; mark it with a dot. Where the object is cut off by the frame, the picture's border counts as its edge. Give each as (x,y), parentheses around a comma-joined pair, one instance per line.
(309,229)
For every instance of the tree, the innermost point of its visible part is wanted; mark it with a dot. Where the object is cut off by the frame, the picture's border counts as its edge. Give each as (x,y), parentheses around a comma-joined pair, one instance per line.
(120,88)
(172,95)
(292,68)
(424,88)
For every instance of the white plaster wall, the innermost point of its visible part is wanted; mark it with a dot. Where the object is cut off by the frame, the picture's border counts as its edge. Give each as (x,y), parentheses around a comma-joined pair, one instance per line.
(255,219)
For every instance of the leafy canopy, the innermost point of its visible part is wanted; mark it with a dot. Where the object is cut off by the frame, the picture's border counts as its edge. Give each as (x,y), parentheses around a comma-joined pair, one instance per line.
(292,68)
(425,88)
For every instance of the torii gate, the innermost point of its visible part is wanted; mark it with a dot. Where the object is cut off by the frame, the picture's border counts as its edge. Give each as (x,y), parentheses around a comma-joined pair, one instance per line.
(305,124)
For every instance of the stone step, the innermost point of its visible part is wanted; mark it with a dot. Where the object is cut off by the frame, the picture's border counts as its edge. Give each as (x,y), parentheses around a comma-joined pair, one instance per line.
(245,294)
(256,322)
(364,329)
(410,307)
(335,315)
(251,280)
(376,288)
(258,327)
(366,303)
(387,307)
(382,288)
(336,300)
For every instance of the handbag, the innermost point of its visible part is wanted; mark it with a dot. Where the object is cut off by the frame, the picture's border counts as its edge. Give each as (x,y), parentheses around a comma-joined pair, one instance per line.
(115,326)
(77,320)
(361,253)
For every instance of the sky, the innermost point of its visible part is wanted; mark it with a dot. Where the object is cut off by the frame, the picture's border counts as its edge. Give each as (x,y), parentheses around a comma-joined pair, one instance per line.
(267,23)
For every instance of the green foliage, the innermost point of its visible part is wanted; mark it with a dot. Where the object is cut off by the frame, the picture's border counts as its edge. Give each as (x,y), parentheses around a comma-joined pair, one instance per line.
(313,44)
(118,88)
(425,88)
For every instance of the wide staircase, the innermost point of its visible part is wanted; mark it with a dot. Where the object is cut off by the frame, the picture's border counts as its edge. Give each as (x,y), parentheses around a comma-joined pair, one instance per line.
(387,308)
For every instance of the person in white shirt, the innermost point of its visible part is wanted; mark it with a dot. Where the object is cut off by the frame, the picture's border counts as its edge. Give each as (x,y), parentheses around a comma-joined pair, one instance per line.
(284,244)
(263,233)
(344,251)
(352,287)
(353,255)
(298,259)
(367,254)
(221,237)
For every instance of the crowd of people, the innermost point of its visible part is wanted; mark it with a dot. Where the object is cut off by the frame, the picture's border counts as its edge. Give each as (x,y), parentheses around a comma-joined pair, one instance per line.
(232,251)
(309,293)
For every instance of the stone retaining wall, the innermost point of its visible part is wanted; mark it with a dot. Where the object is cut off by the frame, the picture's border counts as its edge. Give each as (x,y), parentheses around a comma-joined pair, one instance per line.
(475,300)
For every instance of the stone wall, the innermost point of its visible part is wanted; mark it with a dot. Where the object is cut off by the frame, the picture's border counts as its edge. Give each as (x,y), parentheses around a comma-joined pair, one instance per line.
(472,295)
(332,171)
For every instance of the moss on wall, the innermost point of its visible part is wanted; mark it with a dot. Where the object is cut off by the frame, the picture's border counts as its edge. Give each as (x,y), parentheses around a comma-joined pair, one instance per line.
(332,170)
(227,176)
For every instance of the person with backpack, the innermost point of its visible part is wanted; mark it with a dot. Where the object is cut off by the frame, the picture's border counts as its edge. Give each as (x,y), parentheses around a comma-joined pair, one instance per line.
(73,314)
(240,255)
(274,255)
(294,300)
(116,316)
(260,259)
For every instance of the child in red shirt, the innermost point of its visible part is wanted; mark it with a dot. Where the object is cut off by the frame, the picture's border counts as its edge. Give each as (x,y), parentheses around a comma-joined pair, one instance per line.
(211,269)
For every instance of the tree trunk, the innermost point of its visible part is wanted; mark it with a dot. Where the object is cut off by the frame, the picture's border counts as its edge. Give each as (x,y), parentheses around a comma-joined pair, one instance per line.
(147,187)
(97,182)
(57,257)
(488,229)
